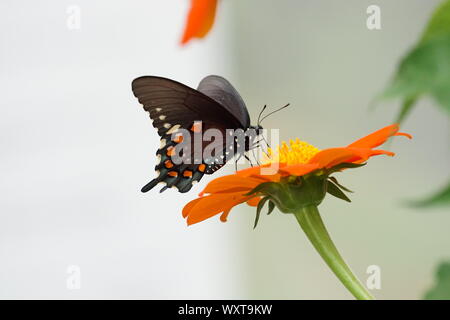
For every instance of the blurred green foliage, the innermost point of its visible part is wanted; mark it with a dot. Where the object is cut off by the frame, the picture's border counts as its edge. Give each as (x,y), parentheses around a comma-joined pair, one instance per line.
(426,71)
(426,68)
(441,198)
(439,23)
(441,289)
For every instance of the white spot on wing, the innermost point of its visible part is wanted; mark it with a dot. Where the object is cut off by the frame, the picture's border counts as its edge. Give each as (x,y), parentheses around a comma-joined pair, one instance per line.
(163,144)
(173,129)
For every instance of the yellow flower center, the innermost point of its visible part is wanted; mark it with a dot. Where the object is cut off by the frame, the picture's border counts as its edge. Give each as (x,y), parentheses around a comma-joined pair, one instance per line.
(297,152)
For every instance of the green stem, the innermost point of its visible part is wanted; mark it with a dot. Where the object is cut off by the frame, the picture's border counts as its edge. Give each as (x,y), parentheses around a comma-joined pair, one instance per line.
(312,224)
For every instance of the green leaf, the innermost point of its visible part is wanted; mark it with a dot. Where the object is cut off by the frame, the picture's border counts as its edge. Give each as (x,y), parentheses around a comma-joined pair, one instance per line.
(426,68)
(441,289)
(439,23)
(335,191)
(339,185)
(261,204)
(440,198)
(406,108)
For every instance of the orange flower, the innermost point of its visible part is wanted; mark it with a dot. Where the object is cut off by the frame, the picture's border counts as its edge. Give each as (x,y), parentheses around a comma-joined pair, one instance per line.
(200,19)
(300,160)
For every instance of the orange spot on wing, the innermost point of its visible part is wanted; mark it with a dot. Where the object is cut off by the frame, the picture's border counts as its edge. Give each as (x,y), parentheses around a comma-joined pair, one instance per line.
(202,167)
(196,127)
(168,164)
(187,173)
(170,151)
(178,139)
(173,173)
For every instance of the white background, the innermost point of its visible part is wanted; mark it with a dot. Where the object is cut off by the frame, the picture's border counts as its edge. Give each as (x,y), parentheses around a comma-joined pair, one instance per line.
(76,147)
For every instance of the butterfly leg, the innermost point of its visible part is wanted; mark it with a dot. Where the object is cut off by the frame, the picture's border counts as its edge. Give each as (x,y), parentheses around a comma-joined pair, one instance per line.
(257,145)
(254,156)
(239,156)
(248,159)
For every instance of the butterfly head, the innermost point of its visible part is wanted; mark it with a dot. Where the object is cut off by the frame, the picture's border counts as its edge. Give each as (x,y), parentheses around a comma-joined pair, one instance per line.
(258,129)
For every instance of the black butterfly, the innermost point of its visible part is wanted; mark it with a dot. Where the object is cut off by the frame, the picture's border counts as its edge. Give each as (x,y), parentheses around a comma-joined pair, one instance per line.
(174,106)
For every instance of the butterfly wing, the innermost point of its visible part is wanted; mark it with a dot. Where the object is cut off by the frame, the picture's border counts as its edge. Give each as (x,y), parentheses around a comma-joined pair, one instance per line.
(226,95)
(172,106)
(170,102)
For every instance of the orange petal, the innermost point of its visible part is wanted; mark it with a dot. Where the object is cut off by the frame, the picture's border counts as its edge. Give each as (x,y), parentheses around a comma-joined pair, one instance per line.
(208,206)
(253,171)
(378,137)
(231,183)
(187,208)
(254,201)
(332,156)
(362,154)
(403,134)
(256,172)
(299,169)
(224,215)
(200,19)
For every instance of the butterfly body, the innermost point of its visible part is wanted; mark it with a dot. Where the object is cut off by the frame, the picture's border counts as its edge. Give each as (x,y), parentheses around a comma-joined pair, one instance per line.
(183,116)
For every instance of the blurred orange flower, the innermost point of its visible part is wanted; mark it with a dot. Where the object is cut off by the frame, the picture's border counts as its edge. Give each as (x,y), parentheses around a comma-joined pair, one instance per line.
(200,19)
(299,159)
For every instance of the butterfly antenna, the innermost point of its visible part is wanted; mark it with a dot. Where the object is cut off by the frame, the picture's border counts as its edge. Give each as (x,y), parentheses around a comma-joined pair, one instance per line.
(260,113)
(287,105)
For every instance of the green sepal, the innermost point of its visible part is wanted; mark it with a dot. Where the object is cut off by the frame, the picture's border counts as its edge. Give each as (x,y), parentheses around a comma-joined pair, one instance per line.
(261,204)
(295,192)
(334,190)
(265,187)
(292,192)
(271,207)
(339,185)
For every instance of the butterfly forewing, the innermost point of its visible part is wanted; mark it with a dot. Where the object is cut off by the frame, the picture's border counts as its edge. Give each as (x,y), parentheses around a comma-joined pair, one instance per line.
(168,100)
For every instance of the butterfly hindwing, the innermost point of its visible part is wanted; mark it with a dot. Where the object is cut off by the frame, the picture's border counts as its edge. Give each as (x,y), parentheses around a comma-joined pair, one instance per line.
(175,168)
(220,90)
